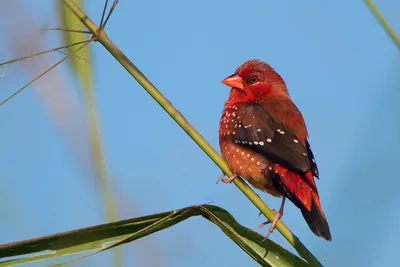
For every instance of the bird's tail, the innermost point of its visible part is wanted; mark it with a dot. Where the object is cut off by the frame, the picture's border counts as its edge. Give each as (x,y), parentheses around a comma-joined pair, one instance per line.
(303,193)
(316,220)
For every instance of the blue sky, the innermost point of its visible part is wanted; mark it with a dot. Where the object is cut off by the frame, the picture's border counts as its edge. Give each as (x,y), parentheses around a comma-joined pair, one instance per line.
(342,71)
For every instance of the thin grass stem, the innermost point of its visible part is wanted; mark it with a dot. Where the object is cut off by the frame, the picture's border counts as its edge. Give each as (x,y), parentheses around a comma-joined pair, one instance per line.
(383,22)
(40,75)
(43,52)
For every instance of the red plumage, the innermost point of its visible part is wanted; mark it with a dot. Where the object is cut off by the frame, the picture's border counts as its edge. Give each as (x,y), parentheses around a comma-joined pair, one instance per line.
(263,138)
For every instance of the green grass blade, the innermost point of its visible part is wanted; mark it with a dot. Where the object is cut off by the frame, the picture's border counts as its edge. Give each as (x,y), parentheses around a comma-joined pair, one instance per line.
(68,22)
(106,236)
(80,65)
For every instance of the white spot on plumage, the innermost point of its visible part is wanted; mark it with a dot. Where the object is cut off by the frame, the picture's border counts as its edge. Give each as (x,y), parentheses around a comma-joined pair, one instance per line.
(258,163)
(255,142)
(261,143)
(233,132)
(242,153)
(226,126)
(252,159)
(313,160)
(240,167)
(237,150)
(296,141)
(270,168)
(247,126)
(305,154)
(258,130)
(280,131)
(240,125)
(269,140)
(250,170)
(248,155)
(234,114)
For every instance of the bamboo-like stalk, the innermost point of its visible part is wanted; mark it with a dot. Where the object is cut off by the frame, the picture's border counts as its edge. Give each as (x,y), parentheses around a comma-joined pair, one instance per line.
(383,22)
(102,38)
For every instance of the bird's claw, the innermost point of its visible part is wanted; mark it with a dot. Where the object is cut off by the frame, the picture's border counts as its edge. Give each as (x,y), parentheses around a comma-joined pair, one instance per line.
(261,225)
(227,180)
(260,215)
(278,215)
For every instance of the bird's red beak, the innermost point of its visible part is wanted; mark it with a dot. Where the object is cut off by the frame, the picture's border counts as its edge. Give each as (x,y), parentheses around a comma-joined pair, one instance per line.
(234,81)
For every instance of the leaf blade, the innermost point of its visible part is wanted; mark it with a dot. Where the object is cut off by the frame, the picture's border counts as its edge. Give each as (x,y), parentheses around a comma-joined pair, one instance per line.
(95,237)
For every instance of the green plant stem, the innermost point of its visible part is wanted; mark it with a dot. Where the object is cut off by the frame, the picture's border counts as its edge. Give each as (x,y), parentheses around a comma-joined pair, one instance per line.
(102,38)
(43,52)
(383,22)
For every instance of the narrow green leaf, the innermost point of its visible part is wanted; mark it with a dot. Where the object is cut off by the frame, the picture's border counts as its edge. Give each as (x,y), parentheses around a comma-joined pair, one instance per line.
(106,236)
(70,22)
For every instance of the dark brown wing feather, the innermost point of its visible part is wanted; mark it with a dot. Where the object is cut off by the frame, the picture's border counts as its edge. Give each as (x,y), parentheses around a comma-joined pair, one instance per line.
(314,167)
(259,131)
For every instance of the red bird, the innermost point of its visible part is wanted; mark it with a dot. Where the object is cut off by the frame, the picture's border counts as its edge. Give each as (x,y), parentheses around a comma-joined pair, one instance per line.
(263,138)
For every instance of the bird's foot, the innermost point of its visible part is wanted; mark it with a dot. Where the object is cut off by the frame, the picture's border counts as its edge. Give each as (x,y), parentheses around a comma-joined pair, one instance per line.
(228,179)
(278,215)
(261,225)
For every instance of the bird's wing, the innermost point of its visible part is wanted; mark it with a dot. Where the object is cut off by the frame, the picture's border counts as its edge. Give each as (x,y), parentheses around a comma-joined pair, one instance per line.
(260,132)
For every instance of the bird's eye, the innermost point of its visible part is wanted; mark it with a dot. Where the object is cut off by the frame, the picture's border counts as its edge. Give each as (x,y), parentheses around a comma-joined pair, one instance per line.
(252,79)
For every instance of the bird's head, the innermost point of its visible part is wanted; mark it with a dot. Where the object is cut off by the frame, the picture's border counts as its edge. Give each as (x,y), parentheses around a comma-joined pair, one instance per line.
(254,81)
